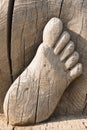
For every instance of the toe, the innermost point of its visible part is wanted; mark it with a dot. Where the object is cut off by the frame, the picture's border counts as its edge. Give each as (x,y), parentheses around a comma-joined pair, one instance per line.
(64,39)
(52,31)
(72,60)
(74,73)
(67,51)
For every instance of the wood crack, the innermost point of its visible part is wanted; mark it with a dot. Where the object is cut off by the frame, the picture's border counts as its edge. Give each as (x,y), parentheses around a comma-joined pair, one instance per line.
(22,32)
(9,28)
(61,6)
(19,80)
(13,128)
(37,98)
(36,22)
(47,10)
(8,111)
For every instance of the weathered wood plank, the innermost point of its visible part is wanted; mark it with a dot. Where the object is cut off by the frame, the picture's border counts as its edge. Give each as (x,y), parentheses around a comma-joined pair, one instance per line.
(74,16)
(33,15)
(5,77)
(29,19)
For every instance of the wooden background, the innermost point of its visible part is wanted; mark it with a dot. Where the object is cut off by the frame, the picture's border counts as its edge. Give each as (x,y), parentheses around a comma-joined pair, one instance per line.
(21,25)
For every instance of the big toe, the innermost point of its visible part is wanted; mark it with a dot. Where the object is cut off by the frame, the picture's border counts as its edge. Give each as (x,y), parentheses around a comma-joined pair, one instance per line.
(52,31)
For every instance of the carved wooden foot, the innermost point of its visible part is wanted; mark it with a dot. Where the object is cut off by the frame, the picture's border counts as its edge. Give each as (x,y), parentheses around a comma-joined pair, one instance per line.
(34,95)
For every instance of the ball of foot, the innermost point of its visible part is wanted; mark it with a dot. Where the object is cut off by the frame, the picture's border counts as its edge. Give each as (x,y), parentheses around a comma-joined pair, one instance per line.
(34,95)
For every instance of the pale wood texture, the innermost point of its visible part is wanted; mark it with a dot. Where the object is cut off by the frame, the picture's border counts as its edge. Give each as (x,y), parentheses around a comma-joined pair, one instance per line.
(5,77)
(29,18)
(61,123)
(27,27)
(34,95)
(74,16)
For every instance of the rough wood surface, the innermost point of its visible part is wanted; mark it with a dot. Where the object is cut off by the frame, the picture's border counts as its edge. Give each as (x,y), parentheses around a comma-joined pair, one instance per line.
(61,123)
(25,28)
(74,16)
(34,95)
(29,18)
(5,77)
(28,34)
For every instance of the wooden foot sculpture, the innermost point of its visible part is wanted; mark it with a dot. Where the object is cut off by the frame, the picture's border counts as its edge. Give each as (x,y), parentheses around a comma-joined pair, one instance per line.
(34,95)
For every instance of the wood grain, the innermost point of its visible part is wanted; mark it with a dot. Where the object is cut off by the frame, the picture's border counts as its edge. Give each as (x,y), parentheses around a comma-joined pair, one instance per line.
(74,17)
(61,123)
(27,33)
(5,77)
(29,19)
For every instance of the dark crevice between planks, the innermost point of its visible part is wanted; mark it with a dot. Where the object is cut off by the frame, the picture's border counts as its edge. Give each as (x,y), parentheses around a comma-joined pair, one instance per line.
(61,6)
(9,28)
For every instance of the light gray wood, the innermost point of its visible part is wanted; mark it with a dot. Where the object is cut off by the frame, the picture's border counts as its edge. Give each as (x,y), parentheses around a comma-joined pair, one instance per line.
(5,77)
(64,123)
(29,19)
(73,14)
(61,123)
(74,17)
(34,95)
